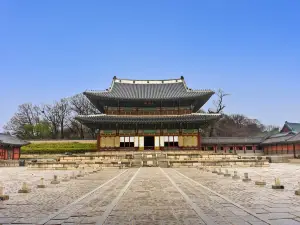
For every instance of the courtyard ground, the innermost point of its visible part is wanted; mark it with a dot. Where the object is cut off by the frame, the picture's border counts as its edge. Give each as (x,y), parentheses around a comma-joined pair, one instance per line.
(152,196)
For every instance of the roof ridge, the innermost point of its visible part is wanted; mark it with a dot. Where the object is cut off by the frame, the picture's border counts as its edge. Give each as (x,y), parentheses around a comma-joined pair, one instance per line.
(176,80)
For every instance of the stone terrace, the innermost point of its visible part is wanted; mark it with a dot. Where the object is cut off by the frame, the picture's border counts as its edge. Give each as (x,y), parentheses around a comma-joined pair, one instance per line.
(152,196)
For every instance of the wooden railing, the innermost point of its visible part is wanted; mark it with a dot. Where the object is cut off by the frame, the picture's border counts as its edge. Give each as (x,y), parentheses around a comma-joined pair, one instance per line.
(154,112)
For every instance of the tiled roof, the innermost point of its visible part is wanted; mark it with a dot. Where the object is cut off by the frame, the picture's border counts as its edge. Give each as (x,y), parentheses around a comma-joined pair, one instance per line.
(278,138)
(294,139)
(232,140)
(293,126)
(11,140)
(149,90)
(103,118)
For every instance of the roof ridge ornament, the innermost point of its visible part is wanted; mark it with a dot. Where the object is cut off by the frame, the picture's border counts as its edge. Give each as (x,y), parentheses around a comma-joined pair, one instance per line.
(147,81)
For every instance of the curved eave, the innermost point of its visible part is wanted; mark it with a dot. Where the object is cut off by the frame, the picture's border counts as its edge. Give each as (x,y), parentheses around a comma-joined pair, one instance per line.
(15,143)
(198,99)
(126,119)
(107,96)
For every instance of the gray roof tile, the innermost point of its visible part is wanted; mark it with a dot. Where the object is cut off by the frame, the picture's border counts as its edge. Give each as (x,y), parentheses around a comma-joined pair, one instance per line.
(278,138)
(103,118)
(7,139)
(293,126)
(153,90)
(232,140)
(294,139)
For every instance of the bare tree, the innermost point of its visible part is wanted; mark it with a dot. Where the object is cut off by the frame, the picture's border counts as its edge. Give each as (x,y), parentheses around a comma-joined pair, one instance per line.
(62,109)
(219,103)
(24,120)
(80,105)
(271,129)
(219,107)
(239,126)
(50,114)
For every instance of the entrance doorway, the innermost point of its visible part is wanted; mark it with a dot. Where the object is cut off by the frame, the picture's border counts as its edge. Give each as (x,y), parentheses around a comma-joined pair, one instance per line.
(149,142)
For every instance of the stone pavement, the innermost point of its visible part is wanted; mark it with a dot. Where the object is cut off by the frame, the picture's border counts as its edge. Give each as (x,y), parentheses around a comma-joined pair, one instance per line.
(152,196)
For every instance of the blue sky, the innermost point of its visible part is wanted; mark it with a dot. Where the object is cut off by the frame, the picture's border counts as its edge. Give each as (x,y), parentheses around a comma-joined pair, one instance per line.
(250,49)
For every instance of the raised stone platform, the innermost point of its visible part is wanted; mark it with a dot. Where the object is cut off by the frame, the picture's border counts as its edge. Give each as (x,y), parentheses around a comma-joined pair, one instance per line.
(150,159)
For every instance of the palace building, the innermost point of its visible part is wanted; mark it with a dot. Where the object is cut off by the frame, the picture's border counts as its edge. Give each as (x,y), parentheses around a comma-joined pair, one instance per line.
(148,115)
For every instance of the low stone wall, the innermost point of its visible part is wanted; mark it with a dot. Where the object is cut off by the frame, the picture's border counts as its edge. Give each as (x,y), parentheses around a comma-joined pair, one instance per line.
(280,158)
(9,163)
(221,163)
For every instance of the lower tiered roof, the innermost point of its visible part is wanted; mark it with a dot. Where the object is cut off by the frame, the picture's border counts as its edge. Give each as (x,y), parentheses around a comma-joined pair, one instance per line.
(6,139)
(232,140)
(147,119)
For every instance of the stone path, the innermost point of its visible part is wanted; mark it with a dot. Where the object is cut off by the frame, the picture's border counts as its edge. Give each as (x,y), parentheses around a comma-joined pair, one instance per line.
(152,196)
(278,206)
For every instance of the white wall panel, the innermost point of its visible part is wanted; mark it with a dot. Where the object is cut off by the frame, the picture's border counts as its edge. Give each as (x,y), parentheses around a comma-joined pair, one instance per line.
(131,139)
(141,140)
(175,138)
(126,139)
(136,142)
(162,141)
(156,141)
(121,139)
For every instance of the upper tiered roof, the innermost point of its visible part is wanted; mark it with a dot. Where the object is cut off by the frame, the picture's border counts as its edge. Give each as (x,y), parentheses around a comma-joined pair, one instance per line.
(149,90)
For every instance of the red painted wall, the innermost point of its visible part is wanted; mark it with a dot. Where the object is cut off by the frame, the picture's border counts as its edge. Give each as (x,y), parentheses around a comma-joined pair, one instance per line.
(2,153)
(16,153)
(285,129)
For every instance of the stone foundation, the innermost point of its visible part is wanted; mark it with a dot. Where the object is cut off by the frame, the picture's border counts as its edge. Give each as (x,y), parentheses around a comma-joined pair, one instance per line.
(151,159)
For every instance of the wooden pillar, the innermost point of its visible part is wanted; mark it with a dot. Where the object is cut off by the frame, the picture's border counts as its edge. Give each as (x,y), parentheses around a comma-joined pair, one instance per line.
(294,150)
(98,142)
(199,140)
(5,153)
